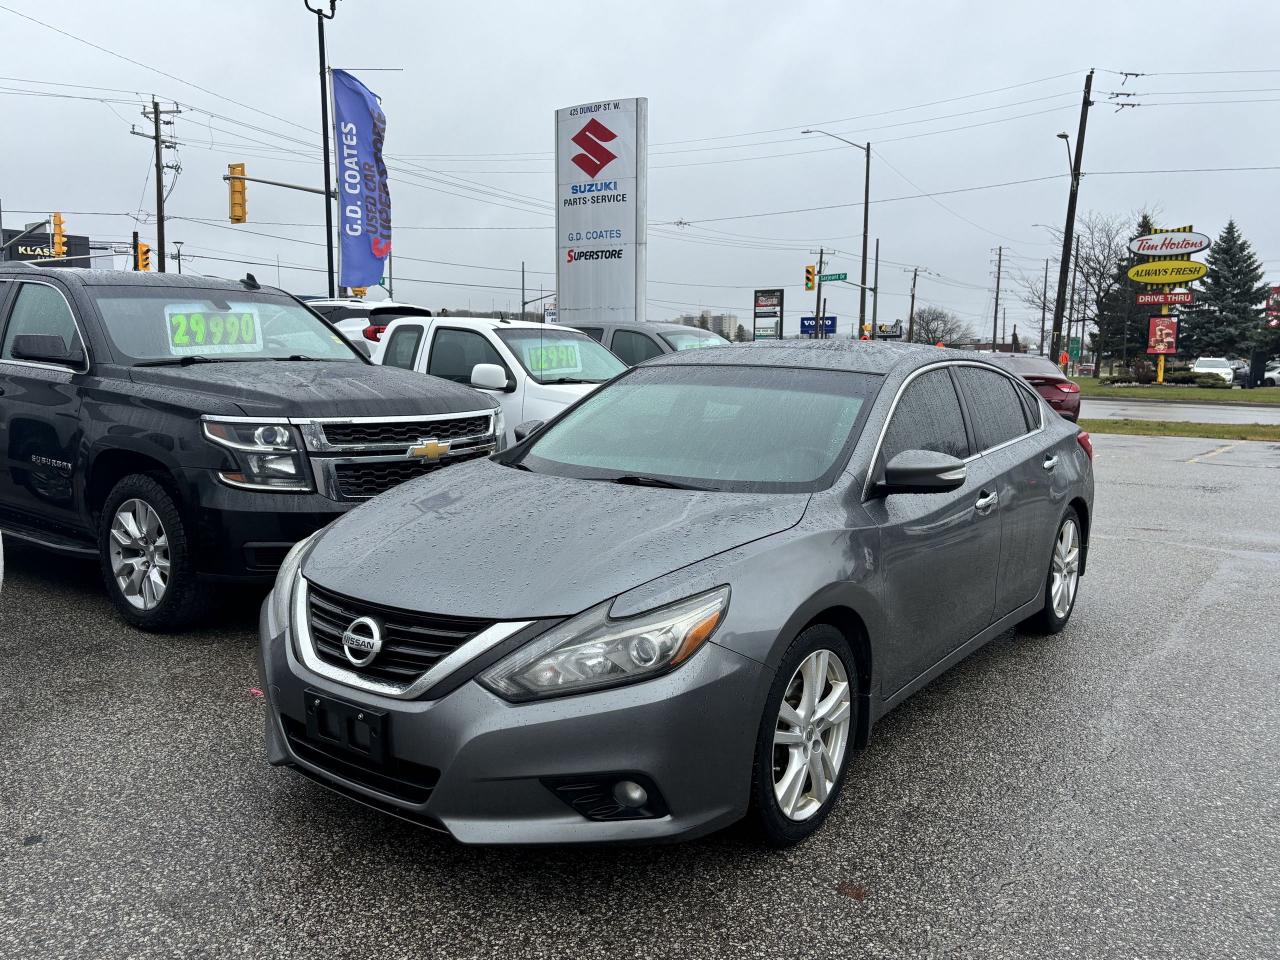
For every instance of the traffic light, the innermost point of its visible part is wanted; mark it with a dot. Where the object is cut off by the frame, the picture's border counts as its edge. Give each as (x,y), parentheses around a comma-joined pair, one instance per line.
(59,237)
(144,256)
(810,276)
(239,205)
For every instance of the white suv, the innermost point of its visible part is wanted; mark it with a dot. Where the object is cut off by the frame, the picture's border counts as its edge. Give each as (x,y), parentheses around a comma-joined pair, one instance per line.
(1217,366)
(362,320)
(535,370)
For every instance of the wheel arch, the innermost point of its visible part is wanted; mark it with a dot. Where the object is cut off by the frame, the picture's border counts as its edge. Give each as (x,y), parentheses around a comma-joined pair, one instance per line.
(850,623)
(111,466)
(1082,511)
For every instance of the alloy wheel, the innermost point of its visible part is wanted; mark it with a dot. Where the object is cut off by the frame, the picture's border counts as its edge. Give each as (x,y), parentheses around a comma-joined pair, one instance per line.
(811,735)
(1065,575)
(139,554)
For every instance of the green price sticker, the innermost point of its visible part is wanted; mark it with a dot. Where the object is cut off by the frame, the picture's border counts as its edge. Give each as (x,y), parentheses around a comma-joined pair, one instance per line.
(549,359)
(193,330)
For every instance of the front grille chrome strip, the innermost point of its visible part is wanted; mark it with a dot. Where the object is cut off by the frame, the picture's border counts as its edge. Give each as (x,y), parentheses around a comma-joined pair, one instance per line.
(314,439)
(304,648)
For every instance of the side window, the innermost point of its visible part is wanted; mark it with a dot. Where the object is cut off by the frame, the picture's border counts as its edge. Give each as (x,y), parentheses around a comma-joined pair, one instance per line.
(42,311)
(403,347)
(927,418)
(595,333)
(1031,407)
(632,348)
(998,413)
(455,352)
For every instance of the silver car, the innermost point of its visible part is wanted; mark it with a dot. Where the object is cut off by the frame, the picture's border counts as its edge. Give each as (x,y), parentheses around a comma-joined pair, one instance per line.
(686,600)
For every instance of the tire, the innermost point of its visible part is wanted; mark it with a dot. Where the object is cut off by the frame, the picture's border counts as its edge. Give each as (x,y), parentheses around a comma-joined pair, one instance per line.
(182,598)
(773,761)
(1053,617)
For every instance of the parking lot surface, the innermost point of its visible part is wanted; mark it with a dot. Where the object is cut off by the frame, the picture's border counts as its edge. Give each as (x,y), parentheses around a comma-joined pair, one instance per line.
(1109,792)
(1101,408)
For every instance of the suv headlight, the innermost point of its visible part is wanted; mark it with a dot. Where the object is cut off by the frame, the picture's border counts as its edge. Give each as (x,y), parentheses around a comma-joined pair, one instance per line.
(591,651)
(269,455)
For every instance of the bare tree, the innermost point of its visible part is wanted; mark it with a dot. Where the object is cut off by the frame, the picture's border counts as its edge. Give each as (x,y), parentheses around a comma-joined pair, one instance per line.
(937,325)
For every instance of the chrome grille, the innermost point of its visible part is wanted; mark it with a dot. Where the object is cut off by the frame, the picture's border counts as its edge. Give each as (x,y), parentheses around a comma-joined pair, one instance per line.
(412,642)
(361,479)
(404,432)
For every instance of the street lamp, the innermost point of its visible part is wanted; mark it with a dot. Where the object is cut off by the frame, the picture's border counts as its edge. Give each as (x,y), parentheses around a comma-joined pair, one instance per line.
(1066,139)
(866,211)
(178,256)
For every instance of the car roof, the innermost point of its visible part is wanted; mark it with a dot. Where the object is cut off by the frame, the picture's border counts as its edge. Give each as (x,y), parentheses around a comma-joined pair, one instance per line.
(87,277)
(855,356)
(658,326)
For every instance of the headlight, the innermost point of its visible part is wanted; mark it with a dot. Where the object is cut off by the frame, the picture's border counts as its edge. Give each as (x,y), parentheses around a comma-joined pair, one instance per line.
(591,651)
(269,455)
(286,579)
(500,429)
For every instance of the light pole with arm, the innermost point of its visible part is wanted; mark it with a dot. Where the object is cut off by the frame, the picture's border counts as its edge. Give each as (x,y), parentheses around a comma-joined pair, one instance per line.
(866,221)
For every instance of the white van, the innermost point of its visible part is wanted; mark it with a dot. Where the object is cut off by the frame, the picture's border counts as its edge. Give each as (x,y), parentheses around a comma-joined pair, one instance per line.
(534,370)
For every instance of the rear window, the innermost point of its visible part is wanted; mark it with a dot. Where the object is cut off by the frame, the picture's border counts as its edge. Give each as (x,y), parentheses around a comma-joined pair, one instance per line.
(994,404)
(1030,366)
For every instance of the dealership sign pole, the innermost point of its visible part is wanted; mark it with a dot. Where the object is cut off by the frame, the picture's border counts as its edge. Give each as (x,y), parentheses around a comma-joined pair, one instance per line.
(766,323)
(601,196)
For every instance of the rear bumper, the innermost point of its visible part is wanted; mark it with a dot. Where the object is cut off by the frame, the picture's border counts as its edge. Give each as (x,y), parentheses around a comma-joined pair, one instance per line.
(485,770)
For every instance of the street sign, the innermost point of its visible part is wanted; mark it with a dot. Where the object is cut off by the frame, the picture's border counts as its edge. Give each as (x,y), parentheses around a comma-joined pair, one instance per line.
(807,325)
(767,314)
(1166,299)
(1162,335)
(1073,349)
(833,277)
(1168,271)
(1175,243)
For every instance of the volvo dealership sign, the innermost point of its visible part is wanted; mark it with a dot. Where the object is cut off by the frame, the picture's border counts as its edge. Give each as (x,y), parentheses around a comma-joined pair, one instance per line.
(601,192)
(1176,243)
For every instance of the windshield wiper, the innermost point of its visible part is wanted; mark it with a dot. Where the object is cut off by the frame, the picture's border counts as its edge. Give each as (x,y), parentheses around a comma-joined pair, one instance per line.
(571,380)
(180,361)
(637,480)
(296,356)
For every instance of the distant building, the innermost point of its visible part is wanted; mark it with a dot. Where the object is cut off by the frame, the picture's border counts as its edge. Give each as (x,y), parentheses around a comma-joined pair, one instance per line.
(725,324)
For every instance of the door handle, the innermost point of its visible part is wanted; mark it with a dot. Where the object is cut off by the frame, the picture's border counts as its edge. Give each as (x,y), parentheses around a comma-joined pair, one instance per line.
(985,502)
(1050,462)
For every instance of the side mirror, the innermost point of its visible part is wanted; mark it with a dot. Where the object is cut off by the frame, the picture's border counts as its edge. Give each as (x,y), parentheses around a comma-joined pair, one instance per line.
(44,348)
(526,428)
(362,348)
(488,376)
(922,471)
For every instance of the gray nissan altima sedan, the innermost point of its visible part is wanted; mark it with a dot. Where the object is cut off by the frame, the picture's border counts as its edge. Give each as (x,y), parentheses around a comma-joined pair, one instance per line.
(686,600)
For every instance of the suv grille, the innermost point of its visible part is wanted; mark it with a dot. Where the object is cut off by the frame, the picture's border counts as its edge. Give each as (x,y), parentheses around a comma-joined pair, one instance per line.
(412,643)
(358,481)
(409,432)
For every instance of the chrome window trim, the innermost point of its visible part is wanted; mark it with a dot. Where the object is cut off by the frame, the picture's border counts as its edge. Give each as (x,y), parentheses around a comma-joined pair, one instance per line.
(484,641)
(943,364)
(39,365)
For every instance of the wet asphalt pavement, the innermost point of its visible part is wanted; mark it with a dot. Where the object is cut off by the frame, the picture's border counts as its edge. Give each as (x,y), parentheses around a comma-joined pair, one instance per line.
(1239,411)
(1110,792)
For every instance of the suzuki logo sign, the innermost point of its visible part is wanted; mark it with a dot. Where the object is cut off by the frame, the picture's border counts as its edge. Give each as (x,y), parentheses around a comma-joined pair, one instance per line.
(595,156)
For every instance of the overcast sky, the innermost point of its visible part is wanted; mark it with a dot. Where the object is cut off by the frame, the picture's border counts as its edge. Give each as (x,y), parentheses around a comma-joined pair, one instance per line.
(471,124)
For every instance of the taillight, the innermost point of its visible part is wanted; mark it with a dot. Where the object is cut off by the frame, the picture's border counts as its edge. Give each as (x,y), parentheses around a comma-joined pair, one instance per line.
(1067,387)
(374,331)
(1086,444)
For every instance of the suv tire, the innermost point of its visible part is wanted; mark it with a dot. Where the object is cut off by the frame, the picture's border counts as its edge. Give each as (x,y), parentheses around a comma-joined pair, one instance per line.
(822,745)
(145,557)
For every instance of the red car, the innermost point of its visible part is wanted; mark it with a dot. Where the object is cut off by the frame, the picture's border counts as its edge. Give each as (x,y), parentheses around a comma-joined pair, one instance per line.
(1050,382)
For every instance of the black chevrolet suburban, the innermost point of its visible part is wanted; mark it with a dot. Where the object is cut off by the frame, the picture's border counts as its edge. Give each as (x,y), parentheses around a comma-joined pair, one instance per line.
(189,430)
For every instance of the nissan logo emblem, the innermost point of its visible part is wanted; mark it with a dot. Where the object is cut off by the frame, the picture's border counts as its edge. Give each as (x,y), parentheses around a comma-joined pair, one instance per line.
(362,641)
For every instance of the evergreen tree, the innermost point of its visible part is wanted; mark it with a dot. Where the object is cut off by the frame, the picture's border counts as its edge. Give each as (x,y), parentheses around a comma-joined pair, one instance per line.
(1226,320)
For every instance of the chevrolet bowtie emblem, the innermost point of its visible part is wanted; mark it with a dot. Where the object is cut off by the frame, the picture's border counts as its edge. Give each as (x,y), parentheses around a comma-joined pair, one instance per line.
(430,449)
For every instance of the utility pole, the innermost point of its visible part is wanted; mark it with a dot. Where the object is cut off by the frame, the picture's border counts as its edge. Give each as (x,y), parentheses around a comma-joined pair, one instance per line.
(911,315)
(995,314)
(321,17)
(824,313)
(178,255)
(1004,325)
(1044,303)
(1071,316)
(817,296)
(1068,232)
(522,301)
(156,116)
(875,294)
(866,214)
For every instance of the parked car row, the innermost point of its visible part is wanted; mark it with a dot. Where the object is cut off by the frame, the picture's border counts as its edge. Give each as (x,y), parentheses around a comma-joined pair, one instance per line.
(582,634)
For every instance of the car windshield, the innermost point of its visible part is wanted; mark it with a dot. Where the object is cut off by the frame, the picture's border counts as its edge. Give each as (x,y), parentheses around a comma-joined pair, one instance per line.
(557,355)
(158,325)
(693,340)
(711,427)
(1211,362)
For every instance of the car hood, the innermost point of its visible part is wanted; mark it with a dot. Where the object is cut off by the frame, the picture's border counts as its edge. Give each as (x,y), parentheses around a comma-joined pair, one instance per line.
(485,540)
(318,388)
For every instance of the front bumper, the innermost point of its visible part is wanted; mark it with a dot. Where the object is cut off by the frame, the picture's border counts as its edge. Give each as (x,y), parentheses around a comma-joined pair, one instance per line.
(480,764)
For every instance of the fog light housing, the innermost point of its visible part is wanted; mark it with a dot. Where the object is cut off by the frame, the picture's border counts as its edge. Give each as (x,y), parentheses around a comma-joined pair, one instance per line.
(610,796)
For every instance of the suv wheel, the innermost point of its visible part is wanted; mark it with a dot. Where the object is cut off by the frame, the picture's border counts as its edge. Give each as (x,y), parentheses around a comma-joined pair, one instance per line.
(143,551)
(802,749)
(1063,580)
